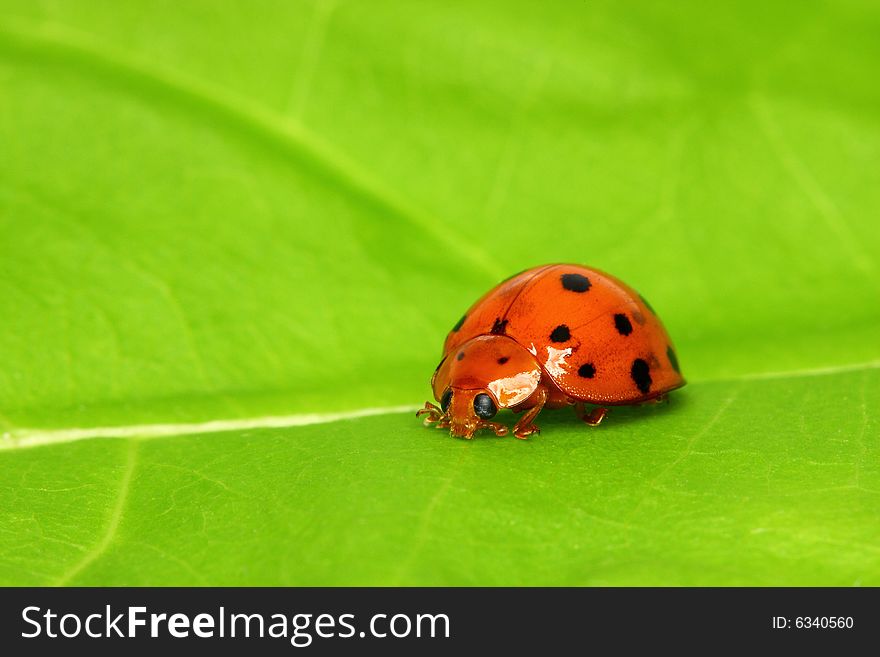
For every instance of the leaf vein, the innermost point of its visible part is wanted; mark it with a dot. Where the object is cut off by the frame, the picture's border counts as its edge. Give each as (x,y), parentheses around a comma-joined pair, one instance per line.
(795,167)
(110,533)
(66,47)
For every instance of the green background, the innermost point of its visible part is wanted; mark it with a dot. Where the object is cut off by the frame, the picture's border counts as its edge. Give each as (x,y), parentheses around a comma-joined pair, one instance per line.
(217,211)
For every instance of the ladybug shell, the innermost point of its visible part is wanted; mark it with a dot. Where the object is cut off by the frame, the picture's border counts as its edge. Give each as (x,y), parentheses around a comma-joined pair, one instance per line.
(595,338)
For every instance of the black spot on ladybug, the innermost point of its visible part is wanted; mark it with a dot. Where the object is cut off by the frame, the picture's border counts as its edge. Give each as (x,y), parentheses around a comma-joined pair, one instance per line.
(622,324)
(641,374)
(587,371)
(575,282)
(459,323)
(647,305)
(499,327)
(460,355)
(560,334)
(503,360)
(445,399)
(673,359)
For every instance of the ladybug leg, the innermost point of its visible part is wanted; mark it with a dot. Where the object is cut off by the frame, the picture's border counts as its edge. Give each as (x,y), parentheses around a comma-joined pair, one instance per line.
(497,427)
(594,417)
(524,427)
(433,414)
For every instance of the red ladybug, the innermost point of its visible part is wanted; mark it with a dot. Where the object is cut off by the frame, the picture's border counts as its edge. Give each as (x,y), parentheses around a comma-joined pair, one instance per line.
(554,336)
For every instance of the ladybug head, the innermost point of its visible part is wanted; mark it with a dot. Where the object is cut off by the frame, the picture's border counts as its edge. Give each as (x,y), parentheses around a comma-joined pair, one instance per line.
(481,376)
(469,410)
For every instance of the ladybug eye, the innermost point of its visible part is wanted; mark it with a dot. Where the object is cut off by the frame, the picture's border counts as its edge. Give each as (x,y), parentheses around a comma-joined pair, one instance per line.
(484,407)
(445,400)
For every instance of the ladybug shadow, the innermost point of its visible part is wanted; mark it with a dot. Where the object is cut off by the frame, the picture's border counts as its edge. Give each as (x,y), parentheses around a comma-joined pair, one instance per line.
(618,416)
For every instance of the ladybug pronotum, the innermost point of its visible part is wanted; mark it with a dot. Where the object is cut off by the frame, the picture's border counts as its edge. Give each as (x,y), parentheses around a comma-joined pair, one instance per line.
(552,336)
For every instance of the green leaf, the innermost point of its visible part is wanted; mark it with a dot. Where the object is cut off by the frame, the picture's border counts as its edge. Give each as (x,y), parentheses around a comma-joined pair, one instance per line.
(761,481)
(222,230)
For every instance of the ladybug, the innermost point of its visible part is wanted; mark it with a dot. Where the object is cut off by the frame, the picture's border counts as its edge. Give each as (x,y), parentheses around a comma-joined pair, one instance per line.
(552,336)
